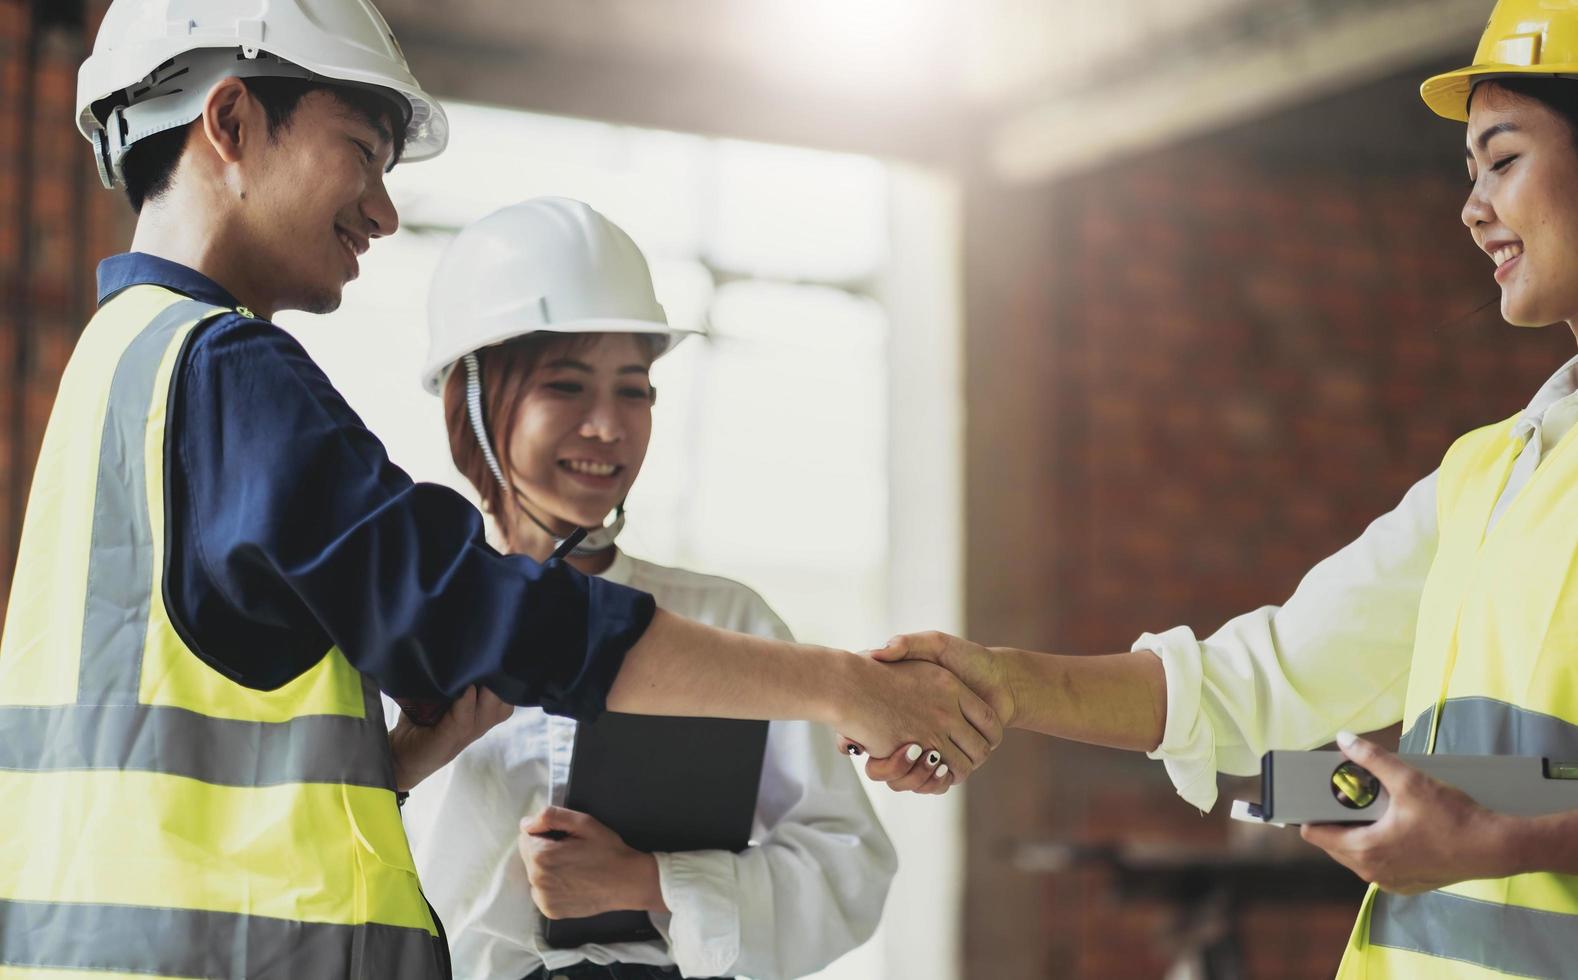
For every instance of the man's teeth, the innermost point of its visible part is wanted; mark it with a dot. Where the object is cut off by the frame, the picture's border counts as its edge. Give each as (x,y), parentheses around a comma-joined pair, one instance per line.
(1506,253)
(589,468)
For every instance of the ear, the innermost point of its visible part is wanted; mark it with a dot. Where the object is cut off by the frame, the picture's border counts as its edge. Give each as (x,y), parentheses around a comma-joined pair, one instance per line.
(232,121)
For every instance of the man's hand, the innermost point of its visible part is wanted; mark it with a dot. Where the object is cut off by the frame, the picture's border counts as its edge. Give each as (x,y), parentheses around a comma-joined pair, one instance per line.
(918,767)
(888,707)
(1430,836)
(421,750)
(578,867)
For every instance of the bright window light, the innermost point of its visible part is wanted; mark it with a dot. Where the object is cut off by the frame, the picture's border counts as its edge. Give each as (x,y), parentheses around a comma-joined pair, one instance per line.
(771,445)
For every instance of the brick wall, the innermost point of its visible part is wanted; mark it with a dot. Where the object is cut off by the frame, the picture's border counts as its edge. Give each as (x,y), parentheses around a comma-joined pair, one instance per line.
(1190,377)
(58,223)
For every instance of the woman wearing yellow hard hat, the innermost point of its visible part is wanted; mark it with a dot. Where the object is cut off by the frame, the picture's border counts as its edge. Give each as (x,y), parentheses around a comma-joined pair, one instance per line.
(1456,613)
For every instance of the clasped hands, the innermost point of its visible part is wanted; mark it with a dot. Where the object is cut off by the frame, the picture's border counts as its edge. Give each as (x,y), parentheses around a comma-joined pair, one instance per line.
(938,707)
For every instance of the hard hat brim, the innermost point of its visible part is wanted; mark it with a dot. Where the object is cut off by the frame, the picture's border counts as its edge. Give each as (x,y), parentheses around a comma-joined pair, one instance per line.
(433,377)
(1447,94)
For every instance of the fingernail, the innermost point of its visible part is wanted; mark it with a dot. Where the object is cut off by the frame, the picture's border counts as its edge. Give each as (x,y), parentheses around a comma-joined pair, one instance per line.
(932,758)
(912,753)
(941,772)
(1345,740)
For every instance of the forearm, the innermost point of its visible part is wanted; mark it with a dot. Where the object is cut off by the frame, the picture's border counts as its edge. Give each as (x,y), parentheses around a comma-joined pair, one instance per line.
(1525,844)
(1117,700)
(680,667)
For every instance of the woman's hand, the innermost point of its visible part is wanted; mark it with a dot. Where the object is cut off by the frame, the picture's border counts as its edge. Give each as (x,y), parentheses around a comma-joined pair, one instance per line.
(578,867)
(983,669)
(910,770)
(421,750)
(1430,836)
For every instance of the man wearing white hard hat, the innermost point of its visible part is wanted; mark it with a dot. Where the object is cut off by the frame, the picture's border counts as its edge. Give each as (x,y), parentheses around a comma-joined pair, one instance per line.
(220,568)
(544,325)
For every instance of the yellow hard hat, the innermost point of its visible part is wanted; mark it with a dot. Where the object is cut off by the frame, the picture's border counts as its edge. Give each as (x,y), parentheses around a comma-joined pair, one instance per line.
(1523,38)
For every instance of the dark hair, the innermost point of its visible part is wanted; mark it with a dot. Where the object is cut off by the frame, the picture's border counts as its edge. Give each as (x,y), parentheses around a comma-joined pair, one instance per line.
(1560,95)
(505,369)
(150,164)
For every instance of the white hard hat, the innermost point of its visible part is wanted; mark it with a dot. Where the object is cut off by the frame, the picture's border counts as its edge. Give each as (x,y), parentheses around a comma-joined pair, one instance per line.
(154,62)
(549,263)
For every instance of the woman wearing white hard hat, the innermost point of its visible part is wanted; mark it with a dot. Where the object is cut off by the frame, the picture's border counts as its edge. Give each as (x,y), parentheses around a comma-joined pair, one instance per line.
(1456,613)
(544,325)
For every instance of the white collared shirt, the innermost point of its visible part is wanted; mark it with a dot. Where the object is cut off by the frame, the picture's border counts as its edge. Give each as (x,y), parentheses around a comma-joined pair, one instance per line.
(1336,655)
(809,889)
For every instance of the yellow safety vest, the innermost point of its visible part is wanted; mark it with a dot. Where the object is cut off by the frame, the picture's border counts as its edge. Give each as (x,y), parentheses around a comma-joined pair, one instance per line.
(1495,672)
(156,818)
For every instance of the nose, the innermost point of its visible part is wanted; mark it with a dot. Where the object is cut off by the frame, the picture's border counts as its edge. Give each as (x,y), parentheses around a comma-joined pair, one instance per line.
(1477,210)
(602,422)
(383,218)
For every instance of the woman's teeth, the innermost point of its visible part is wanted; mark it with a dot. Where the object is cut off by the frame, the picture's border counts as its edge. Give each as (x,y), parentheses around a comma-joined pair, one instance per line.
(589,468)
(1506,253)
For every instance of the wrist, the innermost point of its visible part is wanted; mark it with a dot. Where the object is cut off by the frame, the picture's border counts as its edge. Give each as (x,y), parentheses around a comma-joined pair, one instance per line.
(1014,668)
(406,775)
(407,778)
(646,884)
(1511,843)
(836,682)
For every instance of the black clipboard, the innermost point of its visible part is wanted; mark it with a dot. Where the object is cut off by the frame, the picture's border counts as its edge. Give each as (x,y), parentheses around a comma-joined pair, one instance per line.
(662,784)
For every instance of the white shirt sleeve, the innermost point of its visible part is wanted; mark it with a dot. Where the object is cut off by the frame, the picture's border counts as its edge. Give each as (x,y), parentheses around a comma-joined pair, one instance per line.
(809,889)
(1334,657)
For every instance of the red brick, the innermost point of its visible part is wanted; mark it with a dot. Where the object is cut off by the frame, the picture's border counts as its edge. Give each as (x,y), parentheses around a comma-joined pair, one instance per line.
(13,22)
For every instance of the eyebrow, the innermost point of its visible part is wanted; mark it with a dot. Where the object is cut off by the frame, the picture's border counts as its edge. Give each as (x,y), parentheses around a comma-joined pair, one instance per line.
(1483,139)
(574,365)
(570,362)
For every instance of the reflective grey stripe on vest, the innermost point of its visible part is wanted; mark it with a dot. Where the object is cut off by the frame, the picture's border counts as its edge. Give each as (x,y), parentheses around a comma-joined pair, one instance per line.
(221,751)
(1485,726)
(198,943)
(1522,941)
(120,562)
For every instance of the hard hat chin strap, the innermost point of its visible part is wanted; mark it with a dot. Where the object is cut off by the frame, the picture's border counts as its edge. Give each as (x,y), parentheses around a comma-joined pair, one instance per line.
(588,542)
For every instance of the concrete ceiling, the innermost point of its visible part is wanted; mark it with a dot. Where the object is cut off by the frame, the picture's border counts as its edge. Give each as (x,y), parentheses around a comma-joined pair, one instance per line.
(1020,90)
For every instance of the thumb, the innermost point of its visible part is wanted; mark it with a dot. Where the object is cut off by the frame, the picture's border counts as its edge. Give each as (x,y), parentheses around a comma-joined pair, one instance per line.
(1383,765)
(896,648)
(914,646)
(549,820)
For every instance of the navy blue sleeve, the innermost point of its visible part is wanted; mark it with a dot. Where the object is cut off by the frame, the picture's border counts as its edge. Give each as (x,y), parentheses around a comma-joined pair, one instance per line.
(289,531)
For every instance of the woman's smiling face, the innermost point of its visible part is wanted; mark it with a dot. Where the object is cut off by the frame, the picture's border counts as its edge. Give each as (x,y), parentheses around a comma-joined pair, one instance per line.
(1523,207)
(582,426)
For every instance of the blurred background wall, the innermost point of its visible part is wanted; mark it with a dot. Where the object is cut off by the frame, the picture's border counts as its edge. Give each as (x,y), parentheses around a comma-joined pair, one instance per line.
(1168,299)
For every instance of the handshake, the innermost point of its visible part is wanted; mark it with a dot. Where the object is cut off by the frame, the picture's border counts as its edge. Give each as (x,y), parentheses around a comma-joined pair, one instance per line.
(927,712)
